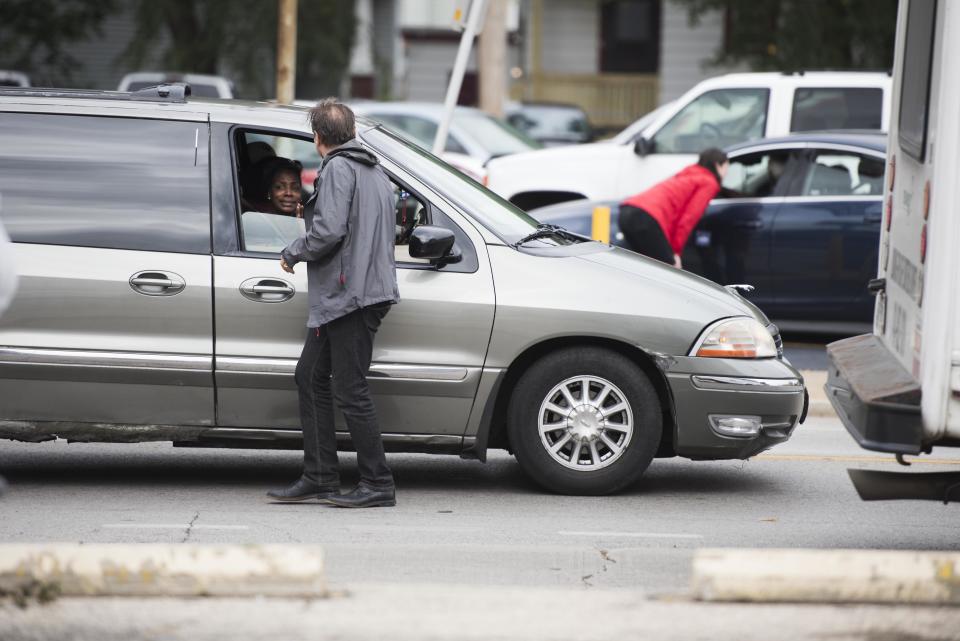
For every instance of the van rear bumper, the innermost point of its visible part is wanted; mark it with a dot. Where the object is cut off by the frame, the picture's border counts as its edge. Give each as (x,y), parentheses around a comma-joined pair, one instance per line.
(877,400)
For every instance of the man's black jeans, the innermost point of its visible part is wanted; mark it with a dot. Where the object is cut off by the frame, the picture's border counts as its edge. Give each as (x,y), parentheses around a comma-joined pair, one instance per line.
(334,365)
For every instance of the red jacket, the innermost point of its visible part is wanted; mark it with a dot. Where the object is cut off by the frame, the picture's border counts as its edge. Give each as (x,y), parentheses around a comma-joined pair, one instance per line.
(678,202)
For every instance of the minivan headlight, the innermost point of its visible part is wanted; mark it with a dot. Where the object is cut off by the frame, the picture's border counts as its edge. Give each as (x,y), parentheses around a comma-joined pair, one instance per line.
(736,338)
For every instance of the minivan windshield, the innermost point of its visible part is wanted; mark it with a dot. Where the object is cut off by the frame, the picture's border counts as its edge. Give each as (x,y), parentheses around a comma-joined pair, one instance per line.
(496,137)
(502,218)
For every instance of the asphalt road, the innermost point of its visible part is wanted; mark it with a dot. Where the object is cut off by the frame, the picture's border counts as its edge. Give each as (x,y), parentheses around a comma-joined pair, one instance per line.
(464,522)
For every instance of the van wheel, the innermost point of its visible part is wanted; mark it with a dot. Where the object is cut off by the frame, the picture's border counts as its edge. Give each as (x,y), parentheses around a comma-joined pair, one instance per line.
(584,420)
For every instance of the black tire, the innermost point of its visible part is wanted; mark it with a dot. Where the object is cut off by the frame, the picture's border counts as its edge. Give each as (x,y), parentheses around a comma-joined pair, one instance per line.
(531,393)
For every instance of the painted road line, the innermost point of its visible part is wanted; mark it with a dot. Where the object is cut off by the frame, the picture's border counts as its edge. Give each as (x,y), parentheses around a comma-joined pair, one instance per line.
(853,459)
(174,526)
(634,535)
(72,569)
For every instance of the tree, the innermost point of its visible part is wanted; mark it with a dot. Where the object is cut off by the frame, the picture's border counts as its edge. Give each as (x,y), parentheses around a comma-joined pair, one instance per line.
(35,33)
(239,37)
(792,35)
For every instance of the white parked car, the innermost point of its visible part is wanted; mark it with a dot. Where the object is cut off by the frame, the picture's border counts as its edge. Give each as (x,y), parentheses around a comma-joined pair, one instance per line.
(474,139)
(718,112)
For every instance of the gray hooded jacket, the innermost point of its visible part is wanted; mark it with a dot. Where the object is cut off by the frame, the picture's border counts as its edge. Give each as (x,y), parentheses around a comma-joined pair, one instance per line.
(351,227)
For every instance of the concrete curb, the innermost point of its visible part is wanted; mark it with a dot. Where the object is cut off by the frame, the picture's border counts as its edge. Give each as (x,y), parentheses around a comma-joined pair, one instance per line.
(827,576)
(819,405)
(67,569)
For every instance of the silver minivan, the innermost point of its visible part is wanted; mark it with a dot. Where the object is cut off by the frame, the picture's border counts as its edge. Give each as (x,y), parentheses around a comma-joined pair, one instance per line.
(152,306)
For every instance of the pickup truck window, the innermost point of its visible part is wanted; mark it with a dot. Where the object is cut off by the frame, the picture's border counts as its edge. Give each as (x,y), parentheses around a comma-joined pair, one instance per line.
(819,109)
(715,119)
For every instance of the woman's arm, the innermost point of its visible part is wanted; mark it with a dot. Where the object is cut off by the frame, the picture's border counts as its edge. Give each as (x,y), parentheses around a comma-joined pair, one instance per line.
(692,213)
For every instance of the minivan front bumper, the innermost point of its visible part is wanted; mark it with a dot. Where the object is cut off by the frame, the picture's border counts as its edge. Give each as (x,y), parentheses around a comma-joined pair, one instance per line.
(766,394)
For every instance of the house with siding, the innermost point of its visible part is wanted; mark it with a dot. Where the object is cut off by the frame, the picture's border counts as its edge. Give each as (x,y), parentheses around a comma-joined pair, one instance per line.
(618,59)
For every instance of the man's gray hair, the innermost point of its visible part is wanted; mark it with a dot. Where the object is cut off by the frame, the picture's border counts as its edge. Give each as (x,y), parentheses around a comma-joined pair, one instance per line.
(333,122)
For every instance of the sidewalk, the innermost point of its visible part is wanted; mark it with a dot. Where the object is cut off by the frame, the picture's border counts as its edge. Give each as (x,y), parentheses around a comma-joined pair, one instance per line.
(377,612)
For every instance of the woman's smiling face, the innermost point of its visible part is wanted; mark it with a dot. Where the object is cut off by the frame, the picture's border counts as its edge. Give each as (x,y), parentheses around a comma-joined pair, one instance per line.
(285,191)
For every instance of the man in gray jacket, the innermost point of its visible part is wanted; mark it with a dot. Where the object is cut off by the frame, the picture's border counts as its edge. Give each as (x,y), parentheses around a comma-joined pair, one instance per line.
(352,279)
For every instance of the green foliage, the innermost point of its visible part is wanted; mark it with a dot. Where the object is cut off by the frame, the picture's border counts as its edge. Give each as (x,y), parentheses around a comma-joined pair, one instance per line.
(790,35)
(238,38)
(34,34)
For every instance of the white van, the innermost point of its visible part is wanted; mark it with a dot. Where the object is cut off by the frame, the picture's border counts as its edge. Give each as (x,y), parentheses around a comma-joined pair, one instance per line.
(898,389)
(717,112)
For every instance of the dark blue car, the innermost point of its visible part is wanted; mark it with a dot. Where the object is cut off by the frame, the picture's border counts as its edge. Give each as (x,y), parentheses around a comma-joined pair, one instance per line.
(798,218)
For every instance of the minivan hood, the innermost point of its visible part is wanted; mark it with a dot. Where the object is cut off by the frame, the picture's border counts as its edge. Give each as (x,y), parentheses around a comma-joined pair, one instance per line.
(726,302)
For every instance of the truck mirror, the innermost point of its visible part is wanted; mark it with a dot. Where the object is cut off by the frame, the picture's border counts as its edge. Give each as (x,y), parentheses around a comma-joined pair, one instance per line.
(642,146)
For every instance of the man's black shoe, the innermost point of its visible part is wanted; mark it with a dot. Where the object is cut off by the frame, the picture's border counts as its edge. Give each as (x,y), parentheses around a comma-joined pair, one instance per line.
(303,490)
(363,496)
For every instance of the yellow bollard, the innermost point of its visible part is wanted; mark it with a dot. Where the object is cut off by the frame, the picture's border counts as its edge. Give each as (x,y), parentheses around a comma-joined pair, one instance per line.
(601,224)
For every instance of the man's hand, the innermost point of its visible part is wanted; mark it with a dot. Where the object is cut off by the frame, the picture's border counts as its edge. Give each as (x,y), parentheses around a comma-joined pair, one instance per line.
(285,267)
(676,261)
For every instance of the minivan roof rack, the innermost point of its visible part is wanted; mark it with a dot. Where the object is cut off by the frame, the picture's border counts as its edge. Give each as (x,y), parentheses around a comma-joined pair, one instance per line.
(166,92)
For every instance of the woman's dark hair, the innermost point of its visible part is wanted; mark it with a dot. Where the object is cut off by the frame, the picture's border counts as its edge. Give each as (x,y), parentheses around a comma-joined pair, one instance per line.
(710,158)
(333,122)
(268,170)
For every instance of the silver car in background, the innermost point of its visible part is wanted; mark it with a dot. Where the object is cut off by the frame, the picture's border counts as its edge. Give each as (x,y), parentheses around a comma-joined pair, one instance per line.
(152,306)
(474,138)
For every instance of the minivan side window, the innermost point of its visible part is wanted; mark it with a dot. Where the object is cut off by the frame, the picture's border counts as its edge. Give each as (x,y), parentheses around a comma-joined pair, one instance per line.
(715,119)
(818,109)
(268,216)
(267,226)
(118,183)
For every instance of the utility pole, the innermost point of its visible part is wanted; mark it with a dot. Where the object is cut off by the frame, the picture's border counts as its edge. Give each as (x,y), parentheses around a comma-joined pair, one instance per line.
(286,51)
(474,18)
(492,59)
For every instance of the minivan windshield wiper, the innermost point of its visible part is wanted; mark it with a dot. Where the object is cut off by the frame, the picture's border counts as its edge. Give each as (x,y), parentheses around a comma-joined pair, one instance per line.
(544,231)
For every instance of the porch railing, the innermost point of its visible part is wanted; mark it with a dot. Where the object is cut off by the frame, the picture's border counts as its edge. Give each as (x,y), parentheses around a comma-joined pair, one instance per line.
(610,100)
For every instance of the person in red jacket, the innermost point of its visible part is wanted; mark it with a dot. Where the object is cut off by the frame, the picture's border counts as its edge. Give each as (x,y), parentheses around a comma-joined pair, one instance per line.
(658,221)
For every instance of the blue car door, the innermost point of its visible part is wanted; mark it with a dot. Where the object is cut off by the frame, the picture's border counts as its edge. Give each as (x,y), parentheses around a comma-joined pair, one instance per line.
(825,239)
(732,243)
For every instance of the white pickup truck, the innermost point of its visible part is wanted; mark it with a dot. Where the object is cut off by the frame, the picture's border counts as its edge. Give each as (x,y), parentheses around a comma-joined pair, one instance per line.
(717,112)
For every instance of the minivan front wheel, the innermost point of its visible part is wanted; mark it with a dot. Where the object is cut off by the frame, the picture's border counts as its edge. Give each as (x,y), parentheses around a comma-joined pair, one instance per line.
(584,421)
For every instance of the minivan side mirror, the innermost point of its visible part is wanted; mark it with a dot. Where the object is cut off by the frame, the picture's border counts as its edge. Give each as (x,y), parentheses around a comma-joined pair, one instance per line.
(642,146)
(434,244)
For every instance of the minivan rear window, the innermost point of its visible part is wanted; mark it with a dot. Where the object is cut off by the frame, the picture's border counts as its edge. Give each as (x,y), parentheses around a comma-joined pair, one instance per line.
(820,109)
(119,183)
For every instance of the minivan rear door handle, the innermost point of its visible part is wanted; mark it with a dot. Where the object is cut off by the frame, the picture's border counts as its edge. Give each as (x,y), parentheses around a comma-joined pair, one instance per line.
(267,290)
(157,283)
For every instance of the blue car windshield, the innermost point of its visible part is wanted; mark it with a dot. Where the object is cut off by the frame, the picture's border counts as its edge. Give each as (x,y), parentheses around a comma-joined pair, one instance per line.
(502,218)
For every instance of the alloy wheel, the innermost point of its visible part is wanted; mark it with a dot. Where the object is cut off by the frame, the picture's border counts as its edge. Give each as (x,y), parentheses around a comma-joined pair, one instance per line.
(585,423)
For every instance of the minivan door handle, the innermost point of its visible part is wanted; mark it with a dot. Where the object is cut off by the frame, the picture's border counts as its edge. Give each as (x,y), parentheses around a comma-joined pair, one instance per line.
(267,290)
(156,283)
